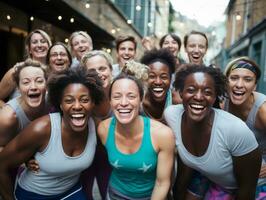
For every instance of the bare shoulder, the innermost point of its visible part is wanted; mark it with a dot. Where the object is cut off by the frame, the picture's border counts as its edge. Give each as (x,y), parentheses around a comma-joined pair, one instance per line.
(261,117)
(8,118)
(37,132)
(102,129)
(162,135)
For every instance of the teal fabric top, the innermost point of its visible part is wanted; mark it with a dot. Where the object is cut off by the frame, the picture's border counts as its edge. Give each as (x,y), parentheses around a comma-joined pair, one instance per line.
(133,174)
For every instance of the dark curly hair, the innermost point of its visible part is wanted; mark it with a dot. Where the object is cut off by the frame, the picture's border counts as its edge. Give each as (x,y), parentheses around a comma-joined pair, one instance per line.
(57,82)
(162,55)
(124,75)
(220,81)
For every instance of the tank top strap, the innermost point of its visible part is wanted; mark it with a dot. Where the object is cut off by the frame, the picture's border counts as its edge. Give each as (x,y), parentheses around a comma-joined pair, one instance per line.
(21,115)
(168,101)
(260,99)
(146,140)
(55,137)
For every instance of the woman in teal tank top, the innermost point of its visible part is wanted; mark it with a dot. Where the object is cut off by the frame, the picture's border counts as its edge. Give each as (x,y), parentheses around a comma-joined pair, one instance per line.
(140,150)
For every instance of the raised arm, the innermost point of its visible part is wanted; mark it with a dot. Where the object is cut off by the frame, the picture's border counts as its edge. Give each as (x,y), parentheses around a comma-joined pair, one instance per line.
(32,139)
(246,169)
(165,142)
(7,84)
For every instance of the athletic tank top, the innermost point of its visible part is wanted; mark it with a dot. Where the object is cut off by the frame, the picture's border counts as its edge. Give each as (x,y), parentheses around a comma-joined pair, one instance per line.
(251,119)
(58,171)
(22,119)
(133,174)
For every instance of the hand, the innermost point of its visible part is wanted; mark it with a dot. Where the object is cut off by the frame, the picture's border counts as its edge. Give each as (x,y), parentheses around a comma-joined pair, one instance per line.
(147,43)
(33,165)
(263,171)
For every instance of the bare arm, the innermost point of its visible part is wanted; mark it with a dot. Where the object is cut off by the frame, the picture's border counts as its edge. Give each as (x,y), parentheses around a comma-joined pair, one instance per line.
(7,84)
(184,175)
(166,145)
(8,124)
(32,139)
(246,170)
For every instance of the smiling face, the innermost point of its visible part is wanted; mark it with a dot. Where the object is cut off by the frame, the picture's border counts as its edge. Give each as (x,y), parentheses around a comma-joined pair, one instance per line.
(125,100)
(158,81)
(102,67)
(38,47)
(198,96)
(58,60)
(80,45)
(171,44)
(76,104)
(242,82)
(32,86)
(196,48)
(126,52)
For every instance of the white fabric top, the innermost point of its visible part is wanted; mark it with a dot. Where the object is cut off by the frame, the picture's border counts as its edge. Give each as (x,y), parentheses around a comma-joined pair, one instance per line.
(116,70)
(58,171)
(230,136)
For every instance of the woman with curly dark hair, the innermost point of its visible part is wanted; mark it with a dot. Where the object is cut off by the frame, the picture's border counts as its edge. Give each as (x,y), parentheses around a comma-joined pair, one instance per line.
(161,65)
(63,143)
(211,141)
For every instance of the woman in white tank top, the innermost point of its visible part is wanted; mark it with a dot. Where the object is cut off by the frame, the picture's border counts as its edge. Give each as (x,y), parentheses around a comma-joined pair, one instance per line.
(63,143)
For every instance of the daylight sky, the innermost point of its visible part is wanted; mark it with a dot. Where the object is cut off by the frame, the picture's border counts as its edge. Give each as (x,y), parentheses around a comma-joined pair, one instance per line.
(204,11)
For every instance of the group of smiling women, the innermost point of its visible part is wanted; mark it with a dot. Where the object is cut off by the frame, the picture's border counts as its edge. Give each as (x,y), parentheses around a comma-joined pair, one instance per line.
(125,131)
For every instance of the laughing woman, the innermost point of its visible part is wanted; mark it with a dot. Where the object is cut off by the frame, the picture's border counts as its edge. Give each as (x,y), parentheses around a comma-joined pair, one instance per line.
(161,65)
(247,104)
(63,143)
(215,143)
(30,77)
(36,46)
(140,150)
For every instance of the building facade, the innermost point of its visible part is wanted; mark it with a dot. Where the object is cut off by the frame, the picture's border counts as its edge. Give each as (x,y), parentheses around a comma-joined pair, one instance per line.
(104,20)
(246,34)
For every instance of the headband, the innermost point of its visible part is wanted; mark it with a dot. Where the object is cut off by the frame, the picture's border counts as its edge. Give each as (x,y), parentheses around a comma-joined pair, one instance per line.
(244,65)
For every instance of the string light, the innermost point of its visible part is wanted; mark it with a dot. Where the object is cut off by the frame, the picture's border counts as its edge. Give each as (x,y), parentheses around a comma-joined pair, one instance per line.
(238,16)
(66,40)
(149,24)
(138,7)
(108,50)
(87,5)
(59,17)
(72,20)
(31,18)
(8,17)
(113,31)
(129,21)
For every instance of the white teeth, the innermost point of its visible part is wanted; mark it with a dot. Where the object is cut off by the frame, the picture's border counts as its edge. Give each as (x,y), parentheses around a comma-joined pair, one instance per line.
(124,111)
(157,89)
(196,106)
(238,93)
(77,115)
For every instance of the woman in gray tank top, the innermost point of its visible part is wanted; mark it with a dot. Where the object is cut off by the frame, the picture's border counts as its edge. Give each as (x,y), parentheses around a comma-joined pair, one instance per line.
(30,77)
(250,106)
(63,143)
